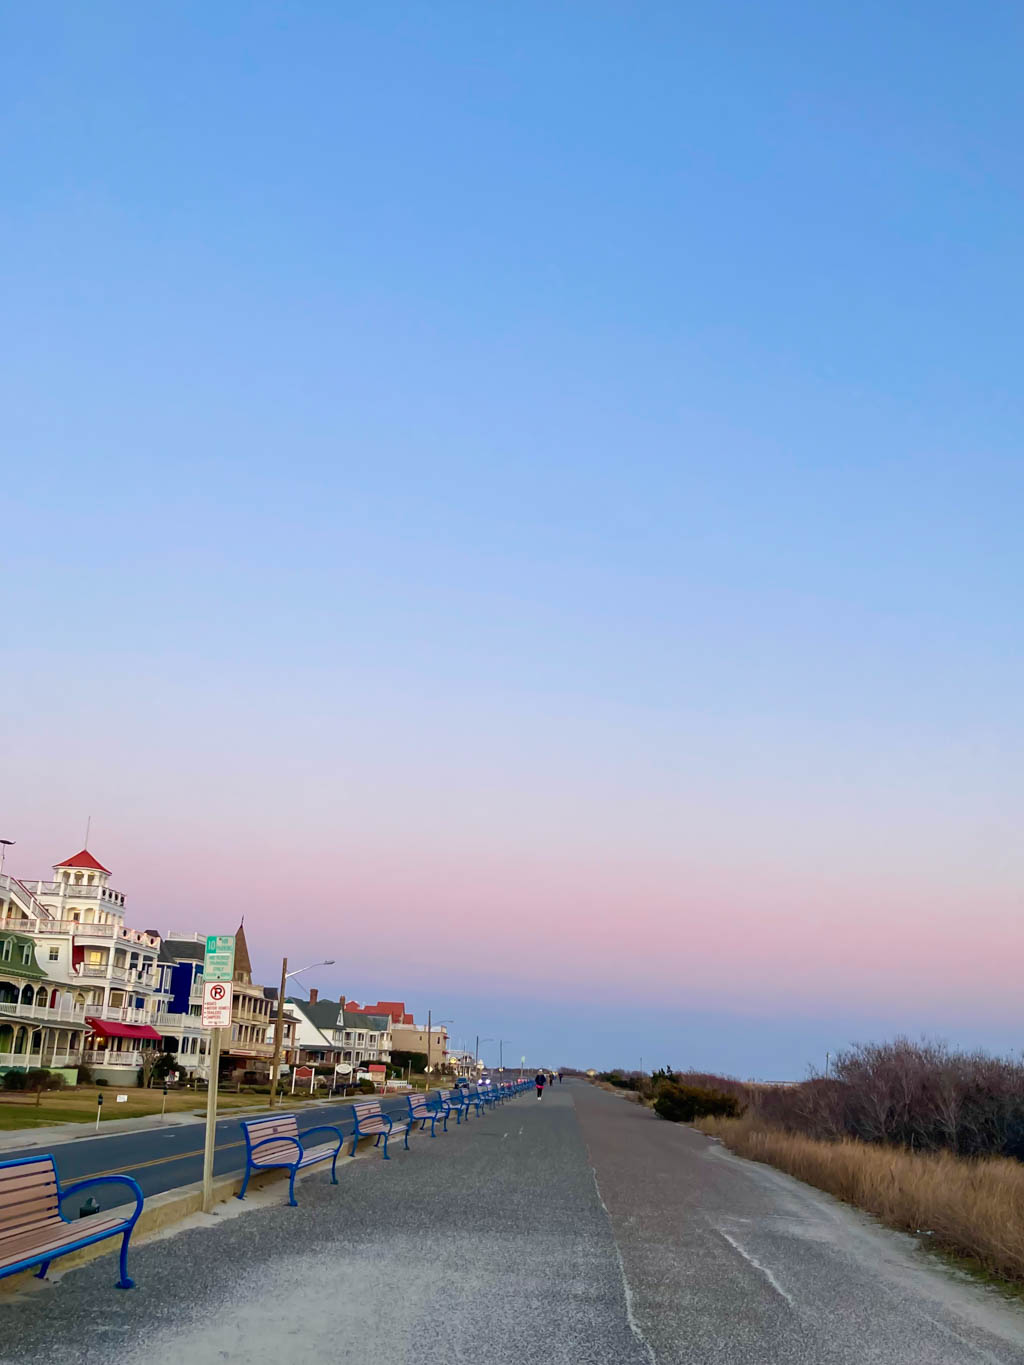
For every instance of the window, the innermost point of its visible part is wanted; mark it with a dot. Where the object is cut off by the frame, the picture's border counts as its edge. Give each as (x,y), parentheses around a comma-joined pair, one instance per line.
(54,952)
(6,954)
(26,954)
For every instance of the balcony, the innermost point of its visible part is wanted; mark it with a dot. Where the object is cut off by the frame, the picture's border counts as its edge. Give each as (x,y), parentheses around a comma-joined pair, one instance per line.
(176,1023)
(50,927)
(121,1014)
(77,891)
(63,1013)
(108,1057)
(25,1061)
(93,970)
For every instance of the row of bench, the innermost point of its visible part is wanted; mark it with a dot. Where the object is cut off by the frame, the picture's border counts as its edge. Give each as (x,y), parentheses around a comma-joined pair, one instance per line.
(34,1229)
(275,1141)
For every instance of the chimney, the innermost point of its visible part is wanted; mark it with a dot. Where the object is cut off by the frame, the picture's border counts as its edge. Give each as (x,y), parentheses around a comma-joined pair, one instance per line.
(314,995)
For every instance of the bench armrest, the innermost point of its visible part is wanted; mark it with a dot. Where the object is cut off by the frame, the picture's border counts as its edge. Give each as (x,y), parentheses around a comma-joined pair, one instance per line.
(133,1185)
(264,1142)
(323,1128)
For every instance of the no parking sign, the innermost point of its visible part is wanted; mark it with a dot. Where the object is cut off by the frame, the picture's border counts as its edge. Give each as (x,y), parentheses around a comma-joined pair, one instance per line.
(216,1004)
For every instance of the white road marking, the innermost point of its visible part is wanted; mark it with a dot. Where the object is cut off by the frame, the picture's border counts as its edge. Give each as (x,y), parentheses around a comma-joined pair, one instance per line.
(757,1266)
(634,1326)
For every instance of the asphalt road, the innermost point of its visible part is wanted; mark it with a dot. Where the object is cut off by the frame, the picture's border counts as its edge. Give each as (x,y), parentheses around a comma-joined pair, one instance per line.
(164,1158)
(576,1231)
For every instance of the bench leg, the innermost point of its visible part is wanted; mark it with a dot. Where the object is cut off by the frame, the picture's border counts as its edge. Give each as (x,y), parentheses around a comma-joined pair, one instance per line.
(41,1273)
(377,1144)
(245,1182)
(433,1126)
(124,1282)
(407,1139)
(291,1187)
(355,1139)
(334,1165)
(444,1122)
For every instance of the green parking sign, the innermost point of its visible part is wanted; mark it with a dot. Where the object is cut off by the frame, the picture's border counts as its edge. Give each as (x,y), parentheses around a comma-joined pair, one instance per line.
(219,962)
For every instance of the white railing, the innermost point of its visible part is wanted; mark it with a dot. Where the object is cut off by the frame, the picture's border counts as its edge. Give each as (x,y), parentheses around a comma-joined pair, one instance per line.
(22,1061)
(50,927)
(176,1023)
(124,1014)
(137,936)
(78,891)
(88,969)
(62,1013)
(107,1057)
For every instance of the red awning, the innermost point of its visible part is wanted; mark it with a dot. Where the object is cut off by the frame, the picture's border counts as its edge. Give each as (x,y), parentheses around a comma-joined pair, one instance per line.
(107,1029)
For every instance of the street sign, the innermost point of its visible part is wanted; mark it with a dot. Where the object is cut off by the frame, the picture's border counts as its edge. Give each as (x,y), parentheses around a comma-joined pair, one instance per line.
(219,962)
(216,1004)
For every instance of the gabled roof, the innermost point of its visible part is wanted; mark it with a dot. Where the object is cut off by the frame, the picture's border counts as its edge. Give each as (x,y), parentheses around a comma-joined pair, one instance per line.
(181,950)
(84,859)
(394,1009)
(322,1015)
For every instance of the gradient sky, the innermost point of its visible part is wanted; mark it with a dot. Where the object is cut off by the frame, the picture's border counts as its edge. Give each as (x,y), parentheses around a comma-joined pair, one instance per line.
(526,500)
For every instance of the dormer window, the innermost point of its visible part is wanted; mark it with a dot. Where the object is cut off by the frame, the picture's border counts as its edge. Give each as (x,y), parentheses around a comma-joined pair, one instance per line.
(6,954)
(26,954)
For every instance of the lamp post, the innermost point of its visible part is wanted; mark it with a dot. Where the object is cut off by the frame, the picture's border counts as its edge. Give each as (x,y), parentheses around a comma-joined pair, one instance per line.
(430,1035)
(476,1055)
(286,975)
(5,844)
(501,1053)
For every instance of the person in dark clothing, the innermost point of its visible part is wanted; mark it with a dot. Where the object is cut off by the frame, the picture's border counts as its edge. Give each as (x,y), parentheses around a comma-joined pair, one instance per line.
(559,1078)
(538,1081)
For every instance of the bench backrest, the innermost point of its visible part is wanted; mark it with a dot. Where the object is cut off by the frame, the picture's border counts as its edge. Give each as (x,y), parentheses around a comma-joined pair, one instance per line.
(418,1101)
(273,1126)
(28,1195)
(368,1109)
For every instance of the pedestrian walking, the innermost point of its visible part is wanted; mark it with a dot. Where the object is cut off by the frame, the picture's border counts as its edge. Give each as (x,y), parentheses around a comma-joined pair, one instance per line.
(559,1078)
(538,1081)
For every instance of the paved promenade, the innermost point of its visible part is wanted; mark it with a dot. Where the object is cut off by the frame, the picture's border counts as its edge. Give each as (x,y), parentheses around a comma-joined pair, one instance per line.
(577,1231)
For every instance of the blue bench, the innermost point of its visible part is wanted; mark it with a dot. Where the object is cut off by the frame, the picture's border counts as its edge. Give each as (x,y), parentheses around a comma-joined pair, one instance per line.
(33,1227)
(372,1121)
(422,1108)
(275,1141)
(451,1102)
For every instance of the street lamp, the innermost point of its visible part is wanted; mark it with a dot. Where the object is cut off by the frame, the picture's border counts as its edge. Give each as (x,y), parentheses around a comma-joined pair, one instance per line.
(5,844)
(476,1055)
(279,1021)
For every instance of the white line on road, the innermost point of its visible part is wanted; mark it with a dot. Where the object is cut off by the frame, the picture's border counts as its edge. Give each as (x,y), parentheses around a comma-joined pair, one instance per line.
(634,1326)
(757,1266)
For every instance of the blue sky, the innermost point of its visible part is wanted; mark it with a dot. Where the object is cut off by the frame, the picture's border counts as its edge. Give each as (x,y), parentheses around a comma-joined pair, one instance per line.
(536,474)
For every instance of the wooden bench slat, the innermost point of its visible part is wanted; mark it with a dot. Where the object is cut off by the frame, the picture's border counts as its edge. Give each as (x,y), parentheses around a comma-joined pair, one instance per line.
(28,1211)
(20,1248)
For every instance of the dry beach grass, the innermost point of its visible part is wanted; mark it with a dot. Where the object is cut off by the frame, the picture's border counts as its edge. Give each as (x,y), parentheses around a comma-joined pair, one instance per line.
(971,1206)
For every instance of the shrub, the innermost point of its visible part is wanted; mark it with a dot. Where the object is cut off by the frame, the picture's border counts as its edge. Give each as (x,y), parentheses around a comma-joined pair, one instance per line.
(367,1088)
(102,1081)
(14,1080)
(84,1075)
(684,1103)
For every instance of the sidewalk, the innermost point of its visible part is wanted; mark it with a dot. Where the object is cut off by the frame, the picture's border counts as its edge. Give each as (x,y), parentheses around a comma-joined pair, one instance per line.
(487,1244)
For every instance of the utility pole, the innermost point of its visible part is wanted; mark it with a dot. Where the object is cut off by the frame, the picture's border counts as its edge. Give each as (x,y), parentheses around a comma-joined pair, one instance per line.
(278,1034)
(429,1037)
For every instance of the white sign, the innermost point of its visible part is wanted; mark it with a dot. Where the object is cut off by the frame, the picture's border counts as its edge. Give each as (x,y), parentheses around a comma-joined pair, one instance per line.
(122,1099)
(216,1004)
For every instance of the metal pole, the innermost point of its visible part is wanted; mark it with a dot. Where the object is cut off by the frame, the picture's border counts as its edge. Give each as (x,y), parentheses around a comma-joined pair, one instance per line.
(211,1119)
(476,1055)
(501,1054)
(429,1037)
(278,1034)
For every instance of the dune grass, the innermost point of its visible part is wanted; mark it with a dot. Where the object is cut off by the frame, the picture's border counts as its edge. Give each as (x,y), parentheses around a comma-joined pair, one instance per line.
(972,1207)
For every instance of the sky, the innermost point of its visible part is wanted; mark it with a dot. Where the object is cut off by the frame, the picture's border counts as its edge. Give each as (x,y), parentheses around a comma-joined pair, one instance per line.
(524,500)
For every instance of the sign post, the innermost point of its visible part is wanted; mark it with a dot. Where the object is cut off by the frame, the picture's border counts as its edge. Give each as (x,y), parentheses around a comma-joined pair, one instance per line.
(218,972)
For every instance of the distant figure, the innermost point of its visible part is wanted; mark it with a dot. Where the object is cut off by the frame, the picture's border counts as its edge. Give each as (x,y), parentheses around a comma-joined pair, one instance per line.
(559,1078)
(538,1081)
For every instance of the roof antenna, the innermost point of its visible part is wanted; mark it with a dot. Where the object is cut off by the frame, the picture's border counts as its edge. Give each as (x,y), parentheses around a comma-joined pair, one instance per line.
(88,826)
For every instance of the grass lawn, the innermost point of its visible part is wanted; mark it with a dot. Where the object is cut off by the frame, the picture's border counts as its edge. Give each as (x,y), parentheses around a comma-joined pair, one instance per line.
(78,1105)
